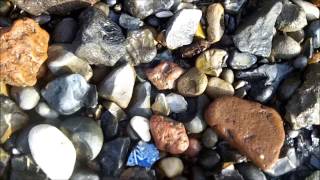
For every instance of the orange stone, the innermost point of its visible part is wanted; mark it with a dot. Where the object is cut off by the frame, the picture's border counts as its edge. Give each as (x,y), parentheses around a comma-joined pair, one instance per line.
(316,2)
(23,48)
(254,129)
(315,58)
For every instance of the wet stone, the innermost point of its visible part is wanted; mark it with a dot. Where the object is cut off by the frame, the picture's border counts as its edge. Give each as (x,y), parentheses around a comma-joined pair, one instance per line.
(218,87)
(143,155)
(27,97)
(160,105)
(171,166)
(141,126)
(233,6)
(313,30)
(212,61)
(208,159)
(187,115)
(4,159)
(298,36)
(215,18)
(109,125)
(209,138)
(289,86)
(229,154)
(292,18)
(192,83)
(65,30)
(315,175)
(194,147)
(285,47)
(250,172)
(176,103)
(115,111)
(311,10)
(128,22)
(140,103)
(300,62)
(103,7)
(240,61)
(194,49)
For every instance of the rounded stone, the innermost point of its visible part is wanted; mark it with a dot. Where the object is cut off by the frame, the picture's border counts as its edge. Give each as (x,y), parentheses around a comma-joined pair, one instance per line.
(194,147)
(218,87)
(211,61)
(52,151)
(192,83)
(160,105)
(300,62)
(171,166)
(298,36)
(84,174)
(27,97)
(311,10)
(208,159)
(313,30)
(250,172)
(215,18)
(65,30)
(141,126)
(209,138)
(227,75)
(285,47)
(45,111)
(240,61)
(176,103)
(292,18)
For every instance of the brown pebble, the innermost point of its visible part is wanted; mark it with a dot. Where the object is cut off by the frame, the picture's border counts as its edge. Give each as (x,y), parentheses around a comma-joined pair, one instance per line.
(194,147)
(254,129)
(315,58)
(23,48)
(169,135)
(316,2)
(164,75)
(194,49)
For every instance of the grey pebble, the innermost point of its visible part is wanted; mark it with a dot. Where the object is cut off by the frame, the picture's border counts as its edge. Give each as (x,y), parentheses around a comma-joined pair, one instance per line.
(65,30)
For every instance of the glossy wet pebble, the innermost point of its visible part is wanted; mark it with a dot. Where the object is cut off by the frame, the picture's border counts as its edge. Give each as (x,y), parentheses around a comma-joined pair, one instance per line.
(171,166)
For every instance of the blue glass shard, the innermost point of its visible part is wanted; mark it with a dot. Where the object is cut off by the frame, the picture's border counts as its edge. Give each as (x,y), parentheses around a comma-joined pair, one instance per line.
(143,155)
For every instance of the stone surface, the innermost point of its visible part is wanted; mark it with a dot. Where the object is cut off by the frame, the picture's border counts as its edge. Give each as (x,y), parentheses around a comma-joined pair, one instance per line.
(313,30)
(300,62)
(128,22)
(4,160)
(192,83)
(303,108)
(164,75)
(189,113)
(311,10)
(118,85)
(17,42)
(233,6)
(84,174)
(209,138)
(218,87)
(160,105)
(45,111)
(289,86)
(52,151)
(240,61)
(65,31)
(171,166)
(315,58)
(53,7)
(62,61)
(292,18)
(141,47)
(12,118)
(182,27)
(255,34)
(208,159)
(176,103)
(137,173)
(255,130)
(140,103)
(110,121)
(298,36)
(99,40)
(67,94)
(27,97)
(169,135)
(315,175)
(285,47)
(250,172)
(215,19)
(141,126)
(194,49)
(194,148)
(211,61)
(227,75)
(143,155)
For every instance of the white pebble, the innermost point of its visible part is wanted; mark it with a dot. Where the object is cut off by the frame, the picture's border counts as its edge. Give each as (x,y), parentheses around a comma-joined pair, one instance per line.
(141,126)
(45,111)
(177,103)
(26,97)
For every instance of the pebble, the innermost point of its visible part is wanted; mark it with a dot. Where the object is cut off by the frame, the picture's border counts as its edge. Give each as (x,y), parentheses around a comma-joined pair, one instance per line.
(176,103)
(137,173)
(45,111)
(182,28)
(143,155)
(115,111)
(65,30)
(192,83)
(311,10)
(292,18)
(315,175)
(100,40)
(67,94)
(187,115)
(212,61)
(289,86)
(233,6)
(85,134)
(52,151)
(313,30)
(208,159)
(255,34)
(215,19)
(164,75)
(227,75)
(194,147)
(160,105)
(229,154)
(118,85)
(285,47)
(300,62)
(218,87)
(168,135)
(141,47)
(240,61)
(109,125)
(128,22)
(242,92)
(141,126)
(42,19)
(23,38)
(5,7)
(255,130)
(4,160)
(113,156)
(62,61)
(140,103)
(171,166)
(250,172)
(209,138)
(12,118)
(26,97)
(191,50)
(84,174)
(103,7)
(24,167)
(298,36)
(315,58)
(164,14)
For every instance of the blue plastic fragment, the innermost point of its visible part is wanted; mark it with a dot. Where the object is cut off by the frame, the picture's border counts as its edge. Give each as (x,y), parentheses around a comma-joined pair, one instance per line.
(143,155)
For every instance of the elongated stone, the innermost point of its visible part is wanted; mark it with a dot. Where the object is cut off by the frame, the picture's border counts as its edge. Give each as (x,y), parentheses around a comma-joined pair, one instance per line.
(215,18)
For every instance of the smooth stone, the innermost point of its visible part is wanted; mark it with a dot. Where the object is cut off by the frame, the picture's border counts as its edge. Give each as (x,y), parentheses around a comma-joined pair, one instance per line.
(118,85)
(56,157)
(12,118)
(240,61)
(45,111)
(141,126)
(311,10)
(182,27)
(128,22)
(192,83)
(24,167)
(297,35)
(85,134)
(99,40)
(160,105)
(109,125)
(292,18)
(300,62)
(65,30)
(193,49)
(228,172)
(111,2)
(42,19)
(255,130)
(229,154)
(239,84)
(176,103)
(113,156)
(164,14)
(140,103)
(171,166)
(4,161)
(215,19)
(313,30)
(303,108)
(84,174)
(194,148)
(209,138)
(250,172)
(227,75)
(62,61)
(233,6)
(67,94)
(132,134)
(255,34)
(25,175)
(241,92)
(230,23)
(218,87)
(153,21)
(212,61)
(208,159)
(115,110)
(289,86)
(141,47)
(187,115)
(137,173)
(26,97)
(143,155)
(285,47)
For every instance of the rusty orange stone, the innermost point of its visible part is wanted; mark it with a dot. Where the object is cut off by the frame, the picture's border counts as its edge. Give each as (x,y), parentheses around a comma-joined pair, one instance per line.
(254,129)
(23,48)
(315,58)
(316,2)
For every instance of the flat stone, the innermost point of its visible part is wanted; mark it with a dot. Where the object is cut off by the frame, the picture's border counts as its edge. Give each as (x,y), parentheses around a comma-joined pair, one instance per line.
(254,35)
(45,111)
(17,42)
(118,85)
(160,105)
(67,94)
(171,166)
(176,103)
(212,61)
(255,130)
(292,18)
(143,155)
(140,103)
(218,87)
(26,97)
(233,6)
(99,40)
(141,126)
(215,19)
(311,10)
(303,108)
(65,30)
(285,47)
(164,75)
(240,61)
(182,27)
(169,135)
(56,157)
(192,83)
(128,22)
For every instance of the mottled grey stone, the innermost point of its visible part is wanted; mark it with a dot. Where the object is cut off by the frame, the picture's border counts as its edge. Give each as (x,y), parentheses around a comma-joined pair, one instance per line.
(128,22)
(238,60)
(233,6)
(312,11)
(292,18)
(313,30)
(140,103)
(285,47)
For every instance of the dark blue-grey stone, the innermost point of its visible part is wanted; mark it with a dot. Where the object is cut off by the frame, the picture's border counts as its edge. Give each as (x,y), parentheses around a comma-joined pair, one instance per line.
(313,30)
(189,114)
(69,93)
(109,124)
(65,30)
(238,60)
(138,173)
(289,86)
(233,6)
(300,62)
(208,159)
(128,22)
(209,138)
(250,172)
(140,102)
